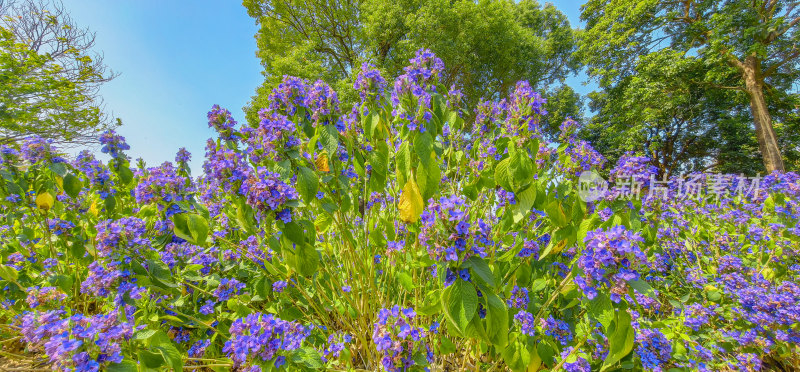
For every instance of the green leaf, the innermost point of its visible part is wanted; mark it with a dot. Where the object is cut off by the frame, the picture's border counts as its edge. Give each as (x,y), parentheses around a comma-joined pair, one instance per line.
(125,175)
(406,281)
(460,302)
(198,228)
(403,160)
(423,146)
(601,309)
(308,357)
(181,227)
(520,168)
(556,214)
(448,347)
(642,287)
(294,232)
(330,139)
(379,160)
(58,168)
(307,184)
(586,226)
(124,366)
(481,268)
(62,281)
(150,359)
(307,259)
(172,356)
(8,273)
(144,334)
(516,356)
(72,185)
(496,320)
(620,342)
(110,203)
(501,175)
(525,200)
(432,303)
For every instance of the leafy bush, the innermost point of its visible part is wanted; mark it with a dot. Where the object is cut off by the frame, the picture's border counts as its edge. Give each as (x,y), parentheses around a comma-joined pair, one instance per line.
(395,235)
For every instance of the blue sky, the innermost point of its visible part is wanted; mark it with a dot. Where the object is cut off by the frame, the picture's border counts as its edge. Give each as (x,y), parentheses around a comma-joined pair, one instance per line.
(176,58)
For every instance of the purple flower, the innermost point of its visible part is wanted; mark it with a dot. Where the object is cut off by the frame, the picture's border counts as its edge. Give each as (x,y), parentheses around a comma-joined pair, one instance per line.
(183,156)
(525,320)
(369,83)
(228,288)
(609,260)
(263,337)
(653,349)
(519,298)
(113,144)
(222,121)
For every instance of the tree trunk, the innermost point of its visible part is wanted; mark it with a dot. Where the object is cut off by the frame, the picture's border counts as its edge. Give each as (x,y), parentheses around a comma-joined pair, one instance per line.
(765,133)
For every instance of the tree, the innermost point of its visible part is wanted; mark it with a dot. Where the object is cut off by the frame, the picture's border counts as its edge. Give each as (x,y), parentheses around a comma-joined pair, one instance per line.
(745,46)
(49,75)
(486,45)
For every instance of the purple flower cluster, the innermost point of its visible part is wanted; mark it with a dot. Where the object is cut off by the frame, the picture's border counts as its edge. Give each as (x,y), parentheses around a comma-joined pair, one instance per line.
(529,248)
(417,83)
(322,101)
(557,329)
(369,83)
(335,346)
(113,144)
(183,156)
(578,365)
(609,260)
(288,96)
(48,296)
(519,298)
(272,138)
(224,167)
(35,149)
(698,315)
(263,337)
(266,192)
(397,339)
(79,342)
(568,127)
(446,233)
(632,168)
(162,184)
(228,288)
(125,233)
(654,350)
(98,175)
(526,322)
(581,157)
(101,279)
(222,121)
(525,102)
(255,252)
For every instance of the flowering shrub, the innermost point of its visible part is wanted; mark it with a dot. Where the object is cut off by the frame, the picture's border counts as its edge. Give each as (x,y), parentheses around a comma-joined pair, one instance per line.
(400,232)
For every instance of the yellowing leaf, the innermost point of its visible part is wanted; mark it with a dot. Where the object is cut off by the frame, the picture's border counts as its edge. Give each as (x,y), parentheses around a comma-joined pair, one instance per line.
(560,246)
(322,163)
(93,209)
(410,202)
(45,201)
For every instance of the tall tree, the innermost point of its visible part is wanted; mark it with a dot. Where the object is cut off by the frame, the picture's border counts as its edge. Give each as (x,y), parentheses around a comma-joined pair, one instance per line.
(748,46)
(486,45)
(50,75)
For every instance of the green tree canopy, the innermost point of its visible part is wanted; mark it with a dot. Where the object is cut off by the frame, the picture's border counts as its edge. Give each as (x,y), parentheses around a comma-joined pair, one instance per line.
(487,45)
(748,48)
(49,75)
